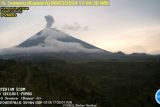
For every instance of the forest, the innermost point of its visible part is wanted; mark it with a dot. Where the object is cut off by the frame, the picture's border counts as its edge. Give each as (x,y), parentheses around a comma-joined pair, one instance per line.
(105,83)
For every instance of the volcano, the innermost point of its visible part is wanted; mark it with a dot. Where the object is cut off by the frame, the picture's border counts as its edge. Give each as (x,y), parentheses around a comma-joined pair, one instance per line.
(50,40)
(51,43)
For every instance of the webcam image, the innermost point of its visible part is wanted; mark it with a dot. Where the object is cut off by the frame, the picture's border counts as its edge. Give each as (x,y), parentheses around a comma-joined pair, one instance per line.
(79,53)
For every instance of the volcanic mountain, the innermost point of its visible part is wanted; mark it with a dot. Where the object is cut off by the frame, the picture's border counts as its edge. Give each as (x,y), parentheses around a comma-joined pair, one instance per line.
(54,41)
(51,43)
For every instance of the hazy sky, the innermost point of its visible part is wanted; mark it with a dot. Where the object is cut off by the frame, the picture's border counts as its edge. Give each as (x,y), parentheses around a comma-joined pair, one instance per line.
(125,25)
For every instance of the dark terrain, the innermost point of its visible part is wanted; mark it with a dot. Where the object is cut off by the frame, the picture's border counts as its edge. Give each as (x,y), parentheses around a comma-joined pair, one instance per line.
(107,83)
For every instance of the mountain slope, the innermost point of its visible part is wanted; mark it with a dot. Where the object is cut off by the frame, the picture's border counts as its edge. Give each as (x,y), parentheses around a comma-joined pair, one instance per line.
(40,37)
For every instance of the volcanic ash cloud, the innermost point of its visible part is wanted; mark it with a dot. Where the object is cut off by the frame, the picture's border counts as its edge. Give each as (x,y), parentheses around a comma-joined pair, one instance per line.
(49,20)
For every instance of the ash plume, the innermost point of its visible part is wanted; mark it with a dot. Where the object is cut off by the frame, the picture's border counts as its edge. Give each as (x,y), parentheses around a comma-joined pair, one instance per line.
(49,20)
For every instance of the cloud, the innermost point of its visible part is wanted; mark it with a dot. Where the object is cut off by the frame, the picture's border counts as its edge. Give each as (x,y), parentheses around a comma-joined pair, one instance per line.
(75,27)
(49,20)
(85,28)
(50,46)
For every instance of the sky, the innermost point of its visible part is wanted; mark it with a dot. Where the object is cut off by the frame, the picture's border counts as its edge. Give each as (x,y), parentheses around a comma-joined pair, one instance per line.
(126,25)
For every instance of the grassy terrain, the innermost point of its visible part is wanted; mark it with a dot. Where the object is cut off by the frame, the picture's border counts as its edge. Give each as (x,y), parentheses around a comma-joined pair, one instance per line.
(109,84)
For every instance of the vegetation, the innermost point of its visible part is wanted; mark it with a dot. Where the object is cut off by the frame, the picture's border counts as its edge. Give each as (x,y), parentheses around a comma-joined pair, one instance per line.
(107,84)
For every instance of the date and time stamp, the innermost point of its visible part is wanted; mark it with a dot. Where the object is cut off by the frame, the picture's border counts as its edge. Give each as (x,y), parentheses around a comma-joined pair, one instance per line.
(11,8)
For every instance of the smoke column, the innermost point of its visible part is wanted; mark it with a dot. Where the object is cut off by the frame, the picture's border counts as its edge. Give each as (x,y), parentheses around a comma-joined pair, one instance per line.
(49,20)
